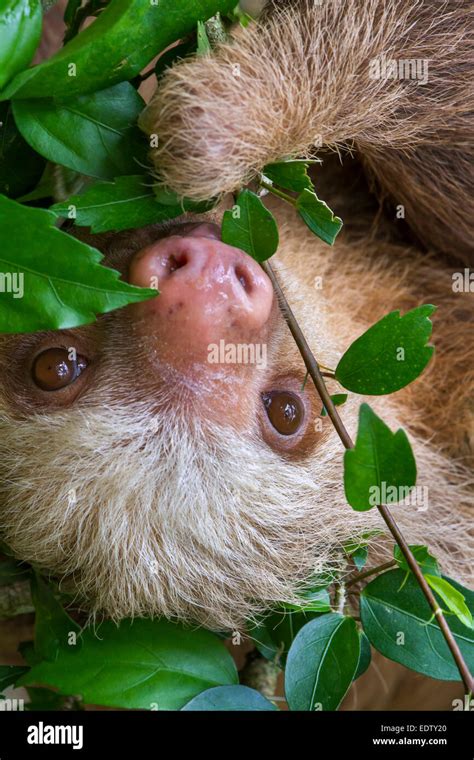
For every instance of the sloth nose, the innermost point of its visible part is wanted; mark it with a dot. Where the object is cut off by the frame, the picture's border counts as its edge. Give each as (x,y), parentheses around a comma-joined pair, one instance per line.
(208,290)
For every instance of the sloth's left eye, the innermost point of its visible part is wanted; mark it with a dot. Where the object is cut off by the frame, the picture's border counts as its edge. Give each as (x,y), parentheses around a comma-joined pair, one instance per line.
(57,368)
(285,411)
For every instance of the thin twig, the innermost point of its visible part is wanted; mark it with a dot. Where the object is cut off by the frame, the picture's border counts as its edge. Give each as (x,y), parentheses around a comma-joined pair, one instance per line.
(372,571)
(315,374)
(278,193)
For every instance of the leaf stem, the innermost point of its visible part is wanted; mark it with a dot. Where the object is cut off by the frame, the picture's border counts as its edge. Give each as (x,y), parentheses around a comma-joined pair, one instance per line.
(371,571)
(315,373)
(278,193)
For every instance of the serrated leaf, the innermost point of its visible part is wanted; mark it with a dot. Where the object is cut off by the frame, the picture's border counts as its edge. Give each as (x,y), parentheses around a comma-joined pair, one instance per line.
(53,626)
(139,664)
(291,175)
(125,37)
(20,33)
(20,165)
(452,598)
(381,468)
(337,399)
(251,227)
(390,355)
(93,134)
(230,698)
(426,561)
(59,280)
(317,215)
(9,675)
(126,203)
(399,623)
(322,662)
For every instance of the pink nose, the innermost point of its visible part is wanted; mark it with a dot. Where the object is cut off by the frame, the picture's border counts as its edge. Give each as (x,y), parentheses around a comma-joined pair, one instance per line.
(208,291)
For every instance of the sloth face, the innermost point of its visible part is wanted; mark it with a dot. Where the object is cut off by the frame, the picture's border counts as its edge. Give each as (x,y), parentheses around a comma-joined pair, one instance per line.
(166,460)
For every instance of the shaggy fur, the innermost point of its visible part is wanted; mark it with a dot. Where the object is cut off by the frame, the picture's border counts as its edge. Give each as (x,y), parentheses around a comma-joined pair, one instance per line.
(301,81)
(129,494)
(175,515)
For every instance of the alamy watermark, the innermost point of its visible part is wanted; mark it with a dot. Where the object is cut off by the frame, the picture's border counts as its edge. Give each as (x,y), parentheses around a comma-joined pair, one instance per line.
(415,497)
(12,282)
(238,353)
(403,68)
(11,704)
(463,282)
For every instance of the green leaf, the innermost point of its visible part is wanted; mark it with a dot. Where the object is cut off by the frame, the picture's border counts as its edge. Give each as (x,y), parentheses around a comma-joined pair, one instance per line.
(203,44)
(453,599)
(71,10)
(426,561)
(127,203)
(322,662)
(238,16)
(318,216)
(381,468)
(59,282)
(94,134)
(140,664)
(251,227)
(291,175)
(390,355)
(399,623)
(9,675)
(44,699)
(12,571)
(125,37)
(53,626)
(365,656)
(359,557)
(20,33)
(337,399)
(28,652)
(274,634)
(230,698)
(20,165)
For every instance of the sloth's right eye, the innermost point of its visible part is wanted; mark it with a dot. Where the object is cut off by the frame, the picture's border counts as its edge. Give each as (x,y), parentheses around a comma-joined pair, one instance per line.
(57,368)
(285,411)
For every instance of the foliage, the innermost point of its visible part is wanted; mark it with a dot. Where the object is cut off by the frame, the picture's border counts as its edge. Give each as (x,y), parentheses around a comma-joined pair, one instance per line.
(63,287)
(75,115)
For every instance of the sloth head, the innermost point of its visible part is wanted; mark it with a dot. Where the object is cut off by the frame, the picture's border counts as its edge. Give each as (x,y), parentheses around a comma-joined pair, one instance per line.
(169,459)
(166,459)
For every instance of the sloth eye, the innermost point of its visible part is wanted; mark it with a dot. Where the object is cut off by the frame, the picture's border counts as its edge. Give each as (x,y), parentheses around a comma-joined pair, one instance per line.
(284,410)
(53,369)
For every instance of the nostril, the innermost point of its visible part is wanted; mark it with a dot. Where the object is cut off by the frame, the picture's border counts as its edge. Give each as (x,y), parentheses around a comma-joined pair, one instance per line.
(243,278)
(176,261)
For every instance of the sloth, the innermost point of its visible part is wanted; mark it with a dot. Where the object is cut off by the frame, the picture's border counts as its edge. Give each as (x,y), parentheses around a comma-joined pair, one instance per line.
(152,481)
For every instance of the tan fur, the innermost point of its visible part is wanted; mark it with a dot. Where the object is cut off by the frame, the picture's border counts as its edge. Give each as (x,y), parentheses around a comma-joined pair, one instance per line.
(174,514)
(301,80)
(177,516)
